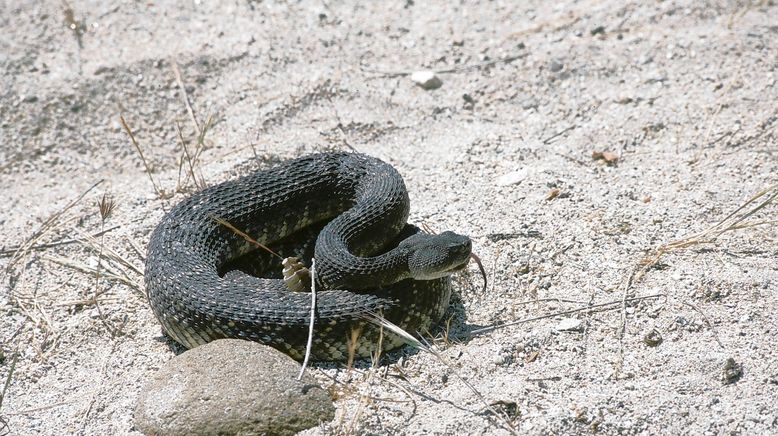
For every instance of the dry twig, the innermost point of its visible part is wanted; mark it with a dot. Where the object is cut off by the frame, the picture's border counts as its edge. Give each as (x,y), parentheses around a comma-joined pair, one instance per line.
(566,312)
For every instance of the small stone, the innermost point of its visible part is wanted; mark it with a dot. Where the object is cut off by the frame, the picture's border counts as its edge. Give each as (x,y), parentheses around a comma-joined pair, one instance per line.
(469,101)
(512,178)
(555,66)
(570,325)
(732,371)
(426,79)
(653,338)
(231,386)
(530,103)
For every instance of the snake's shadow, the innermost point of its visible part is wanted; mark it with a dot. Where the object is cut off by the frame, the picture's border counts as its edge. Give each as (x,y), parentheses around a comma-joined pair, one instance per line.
(452,329)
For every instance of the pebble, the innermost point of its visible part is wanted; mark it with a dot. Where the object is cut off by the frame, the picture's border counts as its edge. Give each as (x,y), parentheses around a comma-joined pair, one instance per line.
(512,178)
(653,338)
(426,79)
(469,101)
(231,386)
(731,372)
(570,325)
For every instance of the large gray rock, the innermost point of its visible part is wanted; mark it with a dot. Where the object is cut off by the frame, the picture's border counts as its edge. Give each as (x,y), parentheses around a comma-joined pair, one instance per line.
(231,386)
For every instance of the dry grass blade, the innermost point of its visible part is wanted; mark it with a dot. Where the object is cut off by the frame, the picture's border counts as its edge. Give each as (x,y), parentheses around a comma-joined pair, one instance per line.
(364,399)
(352,342)
(201,138)
(111,266)
(46,226)
(160,193)
(65,241)
(190,162)
(38,409)
(376,356)
(566,312)
(89,241)
(200,129)
(312,321)
(734,221)
(707,321)
(243,235)
(368,375)
(78,28)
(192,159)
(180,82)
(8,378)
(29,305)
(408,338)
(416,343)
(140,252)
(753,224)
(107,273)
(106,206)
(3,422)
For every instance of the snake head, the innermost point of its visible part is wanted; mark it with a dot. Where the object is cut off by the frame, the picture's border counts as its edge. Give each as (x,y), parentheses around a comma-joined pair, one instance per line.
(434,256)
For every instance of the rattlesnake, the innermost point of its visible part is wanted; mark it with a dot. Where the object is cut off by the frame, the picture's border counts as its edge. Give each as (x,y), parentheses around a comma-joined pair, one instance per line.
(368,260)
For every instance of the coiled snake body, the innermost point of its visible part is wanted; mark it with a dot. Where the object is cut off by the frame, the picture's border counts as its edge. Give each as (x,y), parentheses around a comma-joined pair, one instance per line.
(367,259)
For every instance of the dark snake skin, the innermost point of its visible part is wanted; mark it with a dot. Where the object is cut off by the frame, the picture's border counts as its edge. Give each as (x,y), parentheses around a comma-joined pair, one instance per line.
(196,269)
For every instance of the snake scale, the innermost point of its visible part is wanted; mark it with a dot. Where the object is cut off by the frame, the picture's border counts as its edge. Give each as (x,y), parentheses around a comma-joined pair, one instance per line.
(349,211)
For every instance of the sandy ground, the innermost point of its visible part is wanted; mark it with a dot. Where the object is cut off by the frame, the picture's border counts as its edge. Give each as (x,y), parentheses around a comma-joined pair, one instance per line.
(682,96)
